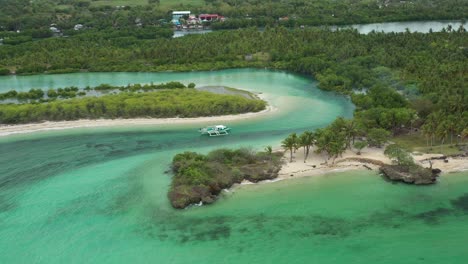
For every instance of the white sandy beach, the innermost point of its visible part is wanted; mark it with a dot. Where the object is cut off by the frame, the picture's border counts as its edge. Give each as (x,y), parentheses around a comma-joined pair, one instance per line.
(315,164)
(6,130)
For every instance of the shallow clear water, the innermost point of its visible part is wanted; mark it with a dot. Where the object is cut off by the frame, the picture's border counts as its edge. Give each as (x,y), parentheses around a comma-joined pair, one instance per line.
(99,195)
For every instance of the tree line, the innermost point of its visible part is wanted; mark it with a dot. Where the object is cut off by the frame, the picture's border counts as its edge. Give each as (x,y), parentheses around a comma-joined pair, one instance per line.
(398,81)
(34,17)
(333,140)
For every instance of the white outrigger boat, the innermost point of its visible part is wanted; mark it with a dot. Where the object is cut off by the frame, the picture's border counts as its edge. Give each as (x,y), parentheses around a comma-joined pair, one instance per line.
(214,131)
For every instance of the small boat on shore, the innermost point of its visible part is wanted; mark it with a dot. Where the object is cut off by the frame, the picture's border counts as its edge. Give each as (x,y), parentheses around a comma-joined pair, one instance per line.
(214,131)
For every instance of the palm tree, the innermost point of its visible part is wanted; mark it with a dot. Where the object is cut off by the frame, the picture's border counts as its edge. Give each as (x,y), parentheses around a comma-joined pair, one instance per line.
(269,151)
(442,132)
(351,131)
(295,139)
(289,143)
(414,117)
(330,142)
(306,141)
(429,127)
(451,126)
(427,132)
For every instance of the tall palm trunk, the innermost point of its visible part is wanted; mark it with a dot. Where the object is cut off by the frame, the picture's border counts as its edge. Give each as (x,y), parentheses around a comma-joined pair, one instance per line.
(305,156)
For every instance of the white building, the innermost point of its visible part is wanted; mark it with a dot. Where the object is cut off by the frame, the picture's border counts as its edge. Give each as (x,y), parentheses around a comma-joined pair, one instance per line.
(176,15)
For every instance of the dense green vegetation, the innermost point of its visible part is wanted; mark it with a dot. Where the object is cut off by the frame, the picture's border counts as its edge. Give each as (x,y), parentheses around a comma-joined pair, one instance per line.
(33,94)
(71,92)
(34,17)
(398,81)
(200,178)
(165,103)
(141,87)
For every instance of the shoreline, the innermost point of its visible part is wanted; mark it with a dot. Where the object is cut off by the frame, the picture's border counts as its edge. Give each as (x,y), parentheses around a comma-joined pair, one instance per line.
(368,160)
(7,130)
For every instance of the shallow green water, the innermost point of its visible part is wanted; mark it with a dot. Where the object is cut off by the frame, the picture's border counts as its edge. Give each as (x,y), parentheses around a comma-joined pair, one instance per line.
(99,195)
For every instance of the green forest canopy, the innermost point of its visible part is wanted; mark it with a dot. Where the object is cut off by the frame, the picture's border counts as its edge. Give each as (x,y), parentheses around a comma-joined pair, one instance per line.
(396,80)
(37,16)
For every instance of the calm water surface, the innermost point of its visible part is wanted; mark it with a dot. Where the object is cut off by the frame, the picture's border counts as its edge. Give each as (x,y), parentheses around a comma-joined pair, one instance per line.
(387,27)
(99,195)
(412,26)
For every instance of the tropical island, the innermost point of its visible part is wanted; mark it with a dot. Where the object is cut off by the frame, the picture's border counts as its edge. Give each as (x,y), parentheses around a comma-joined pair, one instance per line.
(168,100)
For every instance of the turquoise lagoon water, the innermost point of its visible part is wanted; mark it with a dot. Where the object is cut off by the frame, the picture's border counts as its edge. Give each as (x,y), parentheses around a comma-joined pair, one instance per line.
(99,195)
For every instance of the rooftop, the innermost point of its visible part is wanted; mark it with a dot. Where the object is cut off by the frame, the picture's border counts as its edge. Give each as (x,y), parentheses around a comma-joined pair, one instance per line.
(181,12)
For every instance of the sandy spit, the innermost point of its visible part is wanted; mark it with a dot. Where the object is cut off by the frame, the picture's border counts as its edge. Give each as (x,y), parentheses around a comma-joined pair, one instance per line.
(6,130)
(315,164)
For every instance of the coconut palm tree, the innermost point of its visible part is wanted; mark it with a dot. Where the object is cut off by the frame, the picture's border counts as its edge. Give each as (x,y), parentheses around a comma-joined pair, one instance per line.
(429,127)
(289,143)
(451,126)
(442,132)
(306,140)
(269,151)
(295,139)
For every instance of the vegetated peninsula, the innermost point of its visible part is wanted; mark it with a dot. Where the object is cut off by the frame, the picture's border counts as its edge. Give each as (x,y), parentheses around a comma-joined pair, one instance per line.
(200,178)
(133,101)
(336,143)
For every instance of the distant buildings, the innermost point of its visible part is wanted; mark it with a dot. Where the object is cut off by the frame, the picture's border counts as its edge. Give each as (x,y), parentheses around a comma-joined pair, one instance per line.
(210,17)
(177,15)
(192,20)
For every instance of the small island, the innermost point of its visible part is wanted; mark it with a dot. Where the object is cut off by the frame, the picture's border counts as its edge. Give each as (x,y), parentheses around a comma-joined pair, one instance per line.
(200,178)
(166,100)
